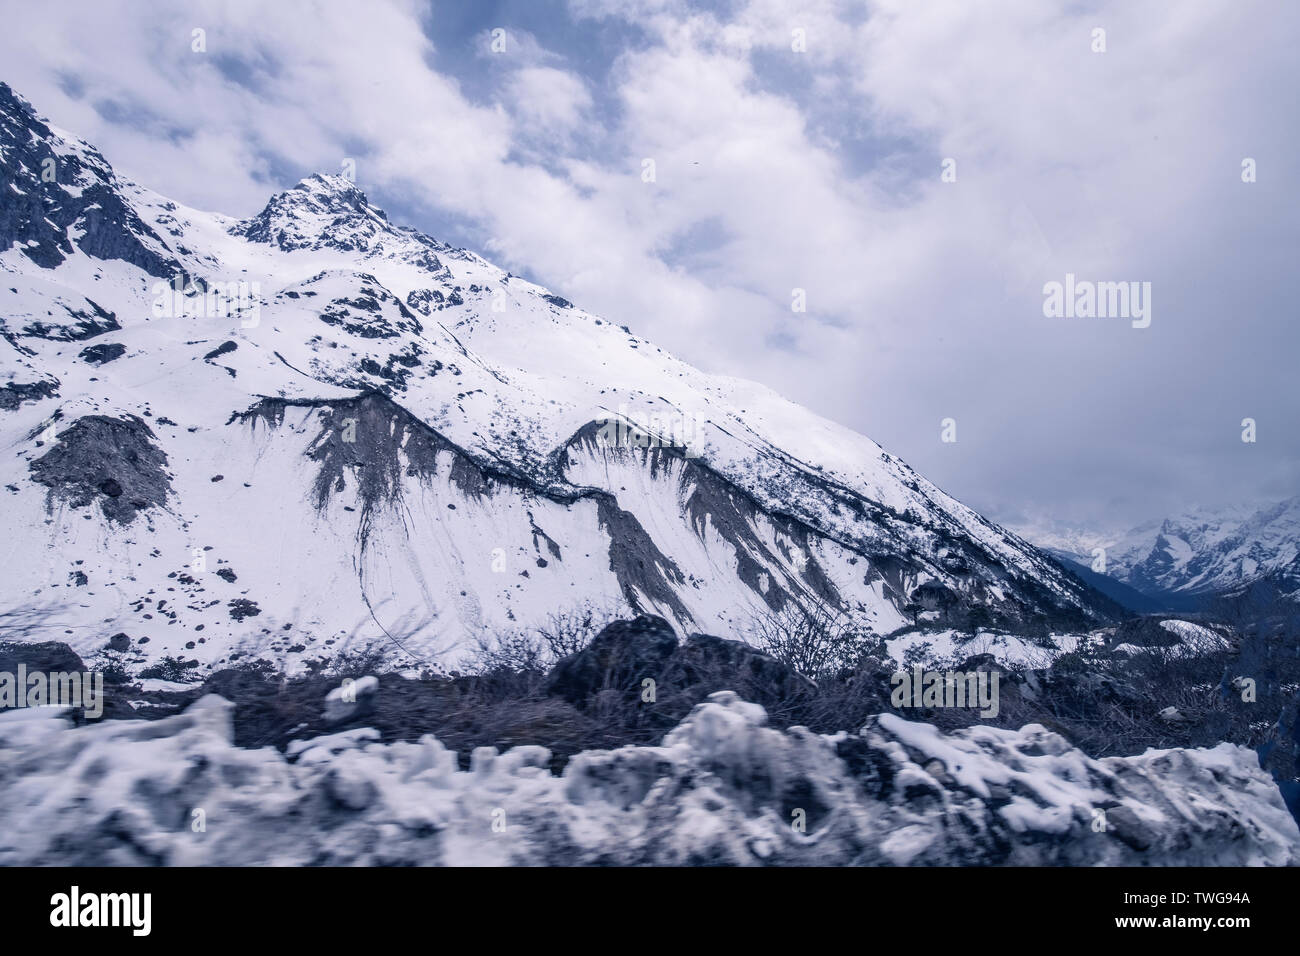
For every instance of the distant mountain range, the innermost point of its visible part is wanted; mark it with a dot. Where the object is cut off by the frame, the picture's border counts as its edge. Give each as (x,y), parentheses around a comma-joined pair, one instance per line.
(1180,562)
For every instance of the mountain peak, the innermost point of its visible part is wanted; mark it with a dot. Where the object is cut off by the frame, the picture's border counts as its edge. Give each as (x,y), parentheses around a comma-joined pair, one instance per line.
(322,210)
(337,192)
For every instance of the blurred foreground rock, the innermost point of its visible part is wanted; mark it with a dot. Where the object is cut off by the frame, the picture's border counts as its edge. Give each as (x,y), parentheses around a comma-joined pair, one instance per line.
(722,788)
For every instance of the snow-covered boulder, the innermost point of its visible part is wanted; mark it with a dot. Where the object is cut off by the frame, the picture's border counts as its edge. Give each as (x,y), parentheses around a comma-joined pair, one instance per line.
(722,788)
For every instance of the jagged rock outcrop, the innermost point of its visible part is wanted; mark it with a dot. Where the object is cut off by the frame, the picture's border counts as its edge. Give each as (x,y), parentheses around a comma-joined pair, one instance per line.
(52,187)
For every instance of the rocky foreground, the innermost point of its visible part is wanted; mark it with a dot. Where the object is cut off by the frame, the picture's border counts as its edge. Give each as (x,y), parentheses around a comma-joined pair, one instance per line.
(722,788)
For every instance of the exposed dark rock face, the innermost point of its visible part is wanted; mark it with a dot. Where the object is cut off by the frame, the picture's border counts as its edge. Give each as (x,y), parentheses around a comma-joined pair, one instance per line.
(242,608)
(637,561)
(39,209)
(425,301)
(224,348)
(102,354)
(374,313)
(388,446)
(715,502)
(932,596)
(374,445)
(711,501)
(369,436)
(110,460)
(392,376)
(896,549)
(14,394)
(85,324)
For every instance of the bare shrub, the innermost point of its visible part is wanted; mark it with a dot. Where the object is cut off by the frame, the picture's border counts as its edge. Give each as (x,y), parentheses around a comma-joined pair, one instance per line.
(534,652)
(816,640)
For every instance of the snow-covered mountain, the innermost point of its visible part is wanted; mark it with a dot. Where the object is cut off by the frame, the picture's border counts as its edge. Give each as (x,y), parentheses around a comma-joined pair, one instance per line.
(315,431)
(1200,552)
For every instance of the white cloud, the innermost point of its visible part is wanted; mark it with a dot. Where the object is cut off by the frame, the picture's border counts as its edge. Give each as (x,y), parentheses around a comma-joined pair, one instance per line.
(547,102)
(817,170)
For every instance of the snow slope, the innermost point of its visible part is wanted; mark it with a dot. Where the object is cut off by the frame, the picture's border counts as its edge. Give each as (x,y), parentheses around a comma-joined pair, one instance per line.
(315,431)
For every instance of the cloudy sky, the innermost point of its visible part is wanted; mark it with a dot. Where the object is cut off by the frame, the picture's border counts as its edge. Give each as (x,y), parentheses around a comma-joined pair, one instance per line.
(799,146)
